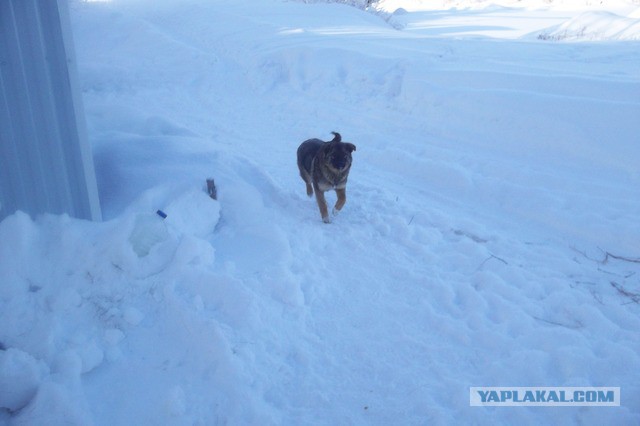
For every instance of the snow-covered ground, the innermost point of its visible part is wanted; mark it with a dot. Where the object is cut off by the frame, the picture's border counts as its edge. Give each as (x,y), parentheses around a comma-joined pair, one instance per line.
(490,237)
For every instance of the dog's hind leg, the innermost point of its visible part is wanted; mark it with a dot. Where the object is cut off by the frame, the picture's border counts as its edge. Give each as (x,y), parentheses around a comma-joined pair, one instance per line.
(307,180)
(342,198)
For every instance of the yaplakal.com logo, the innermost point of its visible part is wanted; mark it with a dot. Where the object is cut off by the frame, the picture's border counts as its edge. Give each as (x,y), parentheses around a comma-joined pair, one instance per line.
(544,396)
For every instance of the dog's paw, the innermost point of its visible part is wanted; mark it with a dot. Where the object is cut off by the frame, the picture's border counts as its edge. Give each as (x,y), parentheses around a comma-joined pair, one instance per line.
(326,219)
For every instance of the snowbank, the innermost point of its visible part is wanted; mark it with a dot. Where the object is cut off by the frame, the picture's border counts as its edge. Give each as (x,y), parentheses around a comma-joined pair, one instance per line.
(571,20)
(593,26)
(417,5)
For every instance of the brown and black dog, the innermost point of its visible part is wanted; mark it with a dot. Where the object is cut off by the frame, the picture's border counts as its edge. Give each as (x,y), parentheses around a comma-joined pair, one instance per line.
(324,166)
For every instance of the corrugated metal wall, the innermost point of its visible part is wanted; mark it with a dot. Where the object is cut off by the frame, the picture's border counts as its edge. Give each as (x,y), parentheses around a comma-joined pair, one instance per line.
(45,158)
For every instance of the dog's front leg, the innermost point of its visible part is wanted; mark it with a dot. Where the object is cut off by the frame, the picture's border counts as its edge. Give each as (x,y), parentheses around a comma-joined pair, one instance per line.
(342,198)
(322,204)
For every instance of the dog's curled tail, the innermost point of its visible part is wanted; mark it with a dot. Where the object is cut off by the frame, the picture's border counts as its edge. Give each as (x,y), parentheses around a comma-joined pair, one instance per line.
(337,137)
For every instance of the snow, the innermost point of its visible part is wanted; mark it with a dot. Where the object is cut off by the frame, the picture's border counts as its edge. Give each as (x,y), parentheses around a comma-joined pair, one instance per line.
(489,237)
(596,26)
(565,19)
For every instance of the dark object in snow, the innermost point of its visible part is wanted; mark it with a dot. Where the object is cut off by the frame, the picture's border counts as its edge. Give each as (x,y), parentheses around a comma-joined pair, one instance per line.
(211,189)
(2,347)
(324,166)
(161,214)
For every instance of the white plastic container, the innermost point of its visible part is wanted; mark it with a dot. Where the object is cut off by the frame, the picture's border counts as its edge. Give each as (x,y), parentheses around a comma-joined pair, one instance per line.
(149,229)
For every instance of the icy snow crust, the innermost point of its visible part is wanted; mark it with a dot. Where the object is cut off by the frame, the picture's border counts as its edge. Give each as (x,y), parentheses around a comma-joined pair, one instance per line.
(490,237)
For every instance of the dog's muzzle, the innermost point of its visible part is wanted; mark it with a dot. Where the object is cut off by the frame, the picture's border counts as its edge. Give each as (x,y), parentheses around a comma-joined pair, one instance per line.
(339,163)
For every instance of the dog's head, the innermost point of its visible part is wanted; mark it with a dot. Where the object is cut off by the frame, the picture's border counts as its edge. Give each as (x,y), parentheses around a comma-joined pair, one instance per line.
(337,154)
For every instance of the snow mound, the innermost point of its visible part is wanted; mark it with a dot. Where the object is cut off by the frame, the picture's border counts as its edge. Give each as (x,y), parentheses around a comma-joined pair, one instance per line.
(413,5)
(513,19)
(20,376)
(594,26)
(92,290)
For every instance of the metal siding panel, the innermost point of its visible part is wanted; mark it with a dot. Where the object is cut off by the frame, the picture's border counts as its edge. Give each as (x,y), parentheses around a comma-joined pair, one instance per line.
(46,164)
(41,113)
(19,157)
(10,186)
(86,188)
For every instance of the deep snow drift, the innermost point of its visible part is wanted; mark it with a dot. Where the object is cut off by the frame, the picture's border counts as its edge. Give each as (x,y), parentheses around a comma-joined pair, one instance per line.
(490,237)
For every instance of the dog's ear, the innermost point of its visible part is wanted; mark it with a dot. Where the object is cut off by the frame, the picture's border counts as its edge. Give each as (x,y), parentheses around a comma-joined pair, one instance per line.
(336,137)
(350,147)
